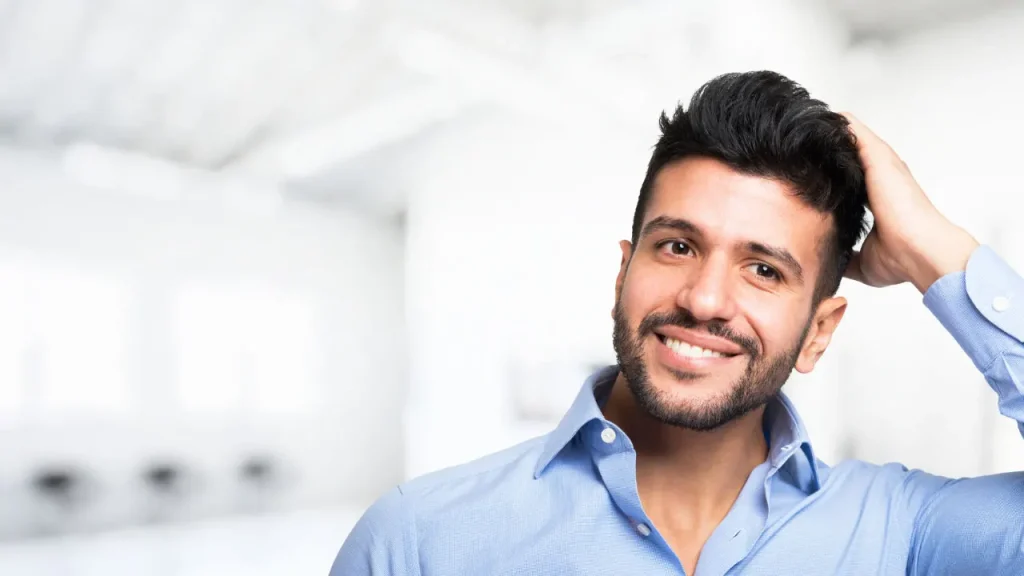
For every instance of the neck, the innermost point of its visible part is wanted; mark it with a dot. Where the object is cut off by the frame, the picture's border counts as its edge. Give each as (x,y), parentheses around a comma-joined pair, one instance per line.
(688,479)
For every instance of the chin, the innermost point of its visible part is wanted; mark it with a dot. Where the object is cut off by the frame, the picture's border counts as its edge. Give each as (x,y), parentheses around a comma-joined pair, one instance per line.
(690,391)
(699,402)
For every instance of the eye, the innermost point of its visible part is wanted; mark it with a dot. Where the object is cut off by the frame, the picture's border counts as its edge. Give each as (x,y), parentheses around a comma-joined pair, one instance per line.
(676,248)
(766,272)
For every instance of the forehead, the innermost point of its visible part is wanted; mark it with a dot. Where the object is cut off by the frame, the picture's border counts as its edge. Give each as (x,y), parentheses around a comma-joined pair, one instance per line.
(734,208)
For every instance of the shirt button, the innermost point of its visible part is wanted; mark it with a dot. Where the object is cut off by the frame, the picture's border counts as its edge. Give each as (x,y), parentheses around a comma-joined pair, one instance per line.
(608,435)
(1000,303)
(787,447)
(643,530)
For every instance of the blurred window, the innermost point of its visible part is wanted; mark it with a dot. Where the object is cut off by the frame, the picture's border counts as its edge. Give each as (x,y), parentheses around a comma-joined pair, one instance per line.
(63,340)
(243,348)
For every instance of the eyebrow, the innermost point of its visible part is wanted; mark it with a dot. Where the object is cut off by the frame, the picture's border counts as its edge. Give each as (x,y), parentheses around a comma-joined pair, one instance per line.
(669,223)
(684,226)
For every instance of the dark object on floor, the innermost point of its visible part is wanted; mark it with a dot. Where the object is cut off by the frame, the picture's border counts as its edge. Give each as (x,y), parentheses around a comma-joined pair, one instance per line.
(164,477)
(257,469)
(58,483)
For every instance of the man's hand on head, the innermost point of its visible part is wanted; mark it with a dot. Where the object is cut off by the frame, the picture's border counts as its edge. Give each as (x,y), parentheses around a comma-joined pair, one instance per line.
(910,241)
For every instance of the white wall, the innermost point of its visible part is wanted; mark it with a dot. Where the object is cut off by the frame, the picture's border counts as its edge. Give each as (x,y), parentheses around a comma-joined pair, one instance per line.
(511,257)
(344,445)
(949,102)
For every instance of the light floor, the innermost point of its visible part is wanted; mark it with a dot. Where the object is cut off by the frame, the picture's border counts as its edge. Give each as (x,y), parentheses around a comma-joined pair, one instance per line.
(300,543)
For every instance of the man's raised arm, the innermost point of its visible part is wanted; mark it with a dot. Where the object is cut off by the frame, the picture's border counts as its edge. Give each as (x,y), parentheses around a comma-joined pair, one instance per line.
(974,525)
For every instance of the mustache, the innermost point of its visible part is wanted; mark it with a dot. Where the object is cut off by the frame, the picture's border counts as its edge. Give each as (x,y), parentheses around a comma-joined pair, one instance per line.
(684,319)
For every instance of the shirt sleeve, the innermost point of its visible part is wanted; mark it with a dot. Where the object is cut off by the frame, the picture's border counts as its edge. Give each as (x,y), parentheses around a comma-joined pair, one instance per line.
(983,308)
(976,525)
(383,541)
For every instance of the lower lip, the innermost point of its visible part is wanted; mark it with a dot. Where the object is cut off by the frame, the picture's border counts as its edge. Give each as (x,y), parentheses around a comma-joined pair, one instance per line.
(686,363)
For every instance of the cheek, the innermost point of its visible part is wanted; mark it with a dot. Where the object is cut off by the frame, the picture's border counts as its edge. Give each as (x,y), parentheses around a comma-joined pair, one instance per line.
(776,325)
(647,288)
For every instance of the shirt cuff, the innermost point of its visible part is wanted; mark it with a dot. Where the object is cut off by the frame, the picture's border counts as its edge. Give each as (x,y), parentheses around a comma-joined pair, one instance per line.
(982,306)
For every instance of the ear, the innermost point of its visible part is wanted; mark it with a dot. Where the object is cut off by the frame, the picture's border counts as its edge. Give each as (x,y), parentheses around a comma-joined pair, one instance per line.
(627,253)
(819,335)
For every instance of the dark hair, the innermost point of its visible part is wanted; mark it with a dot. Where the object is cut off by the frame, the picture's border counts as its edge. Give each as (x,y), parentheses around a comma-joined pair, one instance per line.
(764,124)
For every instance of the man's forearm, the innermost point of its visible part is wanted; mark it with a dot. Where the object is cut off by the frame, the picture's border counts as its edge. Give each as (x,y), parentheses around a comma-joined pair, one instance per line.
(946,251)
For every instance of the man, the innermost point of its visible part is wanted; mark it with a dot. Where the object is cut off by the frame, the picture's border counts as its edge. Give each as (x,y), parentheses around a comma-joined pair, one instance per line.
(686,458)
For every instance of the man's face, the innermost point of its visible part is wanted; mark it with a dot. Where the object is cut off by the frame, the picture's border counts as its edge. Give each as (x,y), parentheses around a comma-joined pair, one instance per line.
(714,303)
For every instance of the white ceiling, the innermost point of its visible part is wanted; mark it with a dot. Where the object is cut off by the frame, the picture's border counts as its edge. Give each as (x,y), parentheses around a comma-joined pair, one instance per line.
(201,82)
(317,94)
(889,18)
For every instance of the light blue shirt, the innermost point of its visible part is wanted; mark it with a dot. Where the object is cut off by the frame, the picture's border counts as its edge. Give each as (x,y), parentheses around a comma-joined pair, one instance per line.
(566,503)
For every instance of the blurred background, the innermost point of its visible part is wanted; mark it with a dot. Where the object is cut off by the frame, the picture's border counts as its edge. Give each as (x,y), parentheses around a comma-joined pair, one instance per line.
(262,260)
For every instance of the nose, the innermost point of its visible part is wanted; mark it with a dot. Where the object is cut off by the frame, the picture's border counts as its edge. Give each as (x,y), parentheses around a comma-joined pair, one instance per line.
(707,292)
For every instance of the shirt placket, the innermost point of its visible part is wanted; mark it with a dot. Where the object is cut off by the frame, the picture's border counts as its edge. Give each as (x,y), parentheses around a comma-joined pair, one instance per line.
(615,459)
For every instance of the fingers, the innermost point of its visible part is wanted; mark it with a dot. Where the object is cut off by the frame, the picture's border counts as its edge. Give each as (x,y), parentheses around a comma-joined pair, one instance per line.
(870,146)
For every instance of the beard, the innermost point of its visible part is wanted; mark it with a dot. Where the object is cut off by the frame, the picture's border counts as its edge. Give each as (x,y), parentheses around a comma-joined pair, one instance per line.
(761,381)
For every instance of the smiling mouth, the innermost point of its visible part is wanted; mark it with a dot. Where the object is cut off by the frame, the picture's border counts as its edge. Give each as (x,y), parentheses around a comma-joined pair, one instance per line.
(687,350)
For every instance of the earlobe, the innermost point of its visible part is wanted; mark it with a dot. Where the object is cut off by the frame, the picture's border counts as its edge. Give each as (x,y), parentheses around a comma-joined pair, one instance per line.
(807,359)
(830,312)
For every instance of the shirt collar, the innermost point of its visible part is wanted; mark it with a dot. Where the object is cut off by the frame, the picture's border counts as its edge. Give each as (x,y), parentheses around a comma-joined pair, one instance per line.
(584,409)
(790,448)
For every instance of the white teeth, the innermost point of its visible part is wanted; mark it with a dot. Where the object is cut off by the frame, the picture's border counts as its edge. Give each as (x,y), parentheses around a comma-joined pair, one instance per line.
(690,351)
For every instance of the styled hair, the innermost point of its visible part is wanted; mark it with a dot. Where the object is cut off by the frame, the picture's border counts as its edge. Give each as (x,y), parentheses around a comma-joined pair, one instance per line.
(764,124)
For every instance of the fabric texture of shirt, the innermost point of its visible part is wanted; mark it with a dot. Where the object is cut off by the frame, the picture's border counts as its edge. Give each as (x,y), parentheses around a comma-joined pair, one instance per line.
(567,504)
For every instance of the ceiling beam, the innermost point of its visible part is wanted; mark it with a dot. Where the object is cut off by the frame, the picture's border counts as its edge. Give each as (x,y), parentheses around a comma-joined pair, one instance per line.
(383,122)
